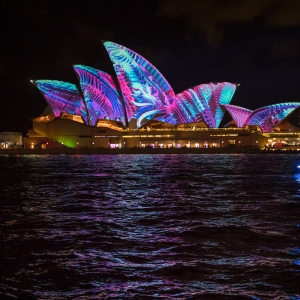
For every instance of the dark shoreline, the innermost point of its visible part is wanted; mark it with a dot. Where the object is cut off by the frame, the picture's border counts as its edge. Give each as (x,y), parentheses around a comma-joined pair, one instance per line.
(145,151)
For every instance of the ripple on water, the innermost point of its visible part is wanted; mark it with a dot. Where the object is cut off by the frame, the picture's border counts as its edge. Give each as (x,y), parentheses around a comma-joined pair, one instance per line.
(158,226)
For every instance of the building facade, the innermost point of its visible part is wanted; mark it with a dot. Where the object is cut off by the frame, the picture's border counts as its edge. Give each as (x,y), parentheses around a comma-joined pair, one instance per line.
(10,140)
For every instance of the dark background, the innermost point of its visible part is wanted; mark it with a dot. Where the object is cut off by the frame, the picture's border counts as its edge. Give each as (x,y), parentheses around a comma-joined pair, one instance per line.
(252,42)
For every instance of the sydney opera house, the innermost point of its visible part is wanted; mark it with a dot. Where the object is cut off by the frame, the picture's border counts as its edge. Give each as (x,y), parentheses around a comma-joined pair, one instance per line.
(137,107)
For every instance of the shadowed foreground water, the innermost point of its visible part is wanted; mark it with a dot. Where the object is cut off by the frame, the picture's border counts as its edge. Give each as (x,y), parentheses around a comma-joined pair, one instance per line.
(150,226)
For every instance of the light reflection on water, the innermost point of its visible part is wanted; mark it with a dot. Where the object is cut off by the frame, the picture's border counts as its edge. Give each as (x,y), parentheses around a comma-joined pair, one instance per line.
(170,226)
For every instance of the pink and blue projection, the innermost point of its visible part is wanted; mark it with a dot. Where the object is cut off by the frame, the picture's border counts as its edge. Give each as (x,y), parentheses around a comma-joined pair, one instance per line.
(201,104)
(148,95)
(269,117)
(62,97)
(145,91)
(100,94)
(238,114)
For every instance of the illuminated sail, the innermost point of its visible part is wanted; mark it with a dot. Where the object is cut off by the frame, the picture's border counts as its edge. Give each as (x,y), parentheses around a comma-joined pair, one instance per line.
(62,97)
(148,95)
(269,117)
(238,114)
(100,94)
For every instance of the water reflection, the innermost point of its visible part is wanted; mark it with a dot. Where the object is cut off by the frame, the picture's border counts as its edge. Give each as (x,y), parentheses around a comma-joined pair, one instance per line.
(137,226)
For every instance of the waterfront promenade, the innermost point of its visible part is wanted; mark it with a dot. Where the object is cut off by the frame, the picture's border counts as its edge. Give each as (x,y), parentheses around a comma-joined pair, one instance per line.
(143,151)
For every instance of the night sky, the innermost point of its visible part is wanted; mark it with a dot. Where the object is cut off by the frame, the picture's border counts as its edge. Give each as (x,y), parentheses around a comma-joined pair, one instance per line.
(252,42)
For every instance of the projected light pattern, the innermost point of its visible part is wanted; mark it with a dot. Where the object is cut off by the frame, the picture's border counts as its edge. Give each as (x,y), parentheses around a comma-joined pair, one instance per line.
(268,117)
(100,94)
(190,106)
(238,114)
(146,92)
(222,93)
(201,103)
(198,104)
(148,95)
(62,97)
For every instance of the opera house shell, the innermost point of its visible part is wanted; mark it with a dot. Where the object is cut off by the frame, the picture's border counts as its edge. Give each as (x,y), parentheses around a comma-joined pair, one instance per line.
(137,107)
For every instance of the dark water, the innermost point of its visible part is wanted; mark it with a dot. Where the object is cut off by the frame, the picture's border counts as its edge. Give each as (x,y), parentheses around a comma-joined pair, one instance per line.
(150,227)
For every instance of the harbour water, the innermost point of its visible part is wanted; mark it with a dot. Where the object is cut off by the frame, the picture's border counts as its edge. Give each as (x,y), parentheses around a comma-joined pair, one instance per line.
(189,226)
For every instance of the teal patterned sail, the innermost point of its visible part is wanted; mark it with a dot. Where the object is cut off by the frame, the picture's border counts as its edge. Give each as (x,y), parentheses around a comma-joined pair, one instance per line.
(148,95)
(269,117)
(62,97)
(100,94)
(145,91)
